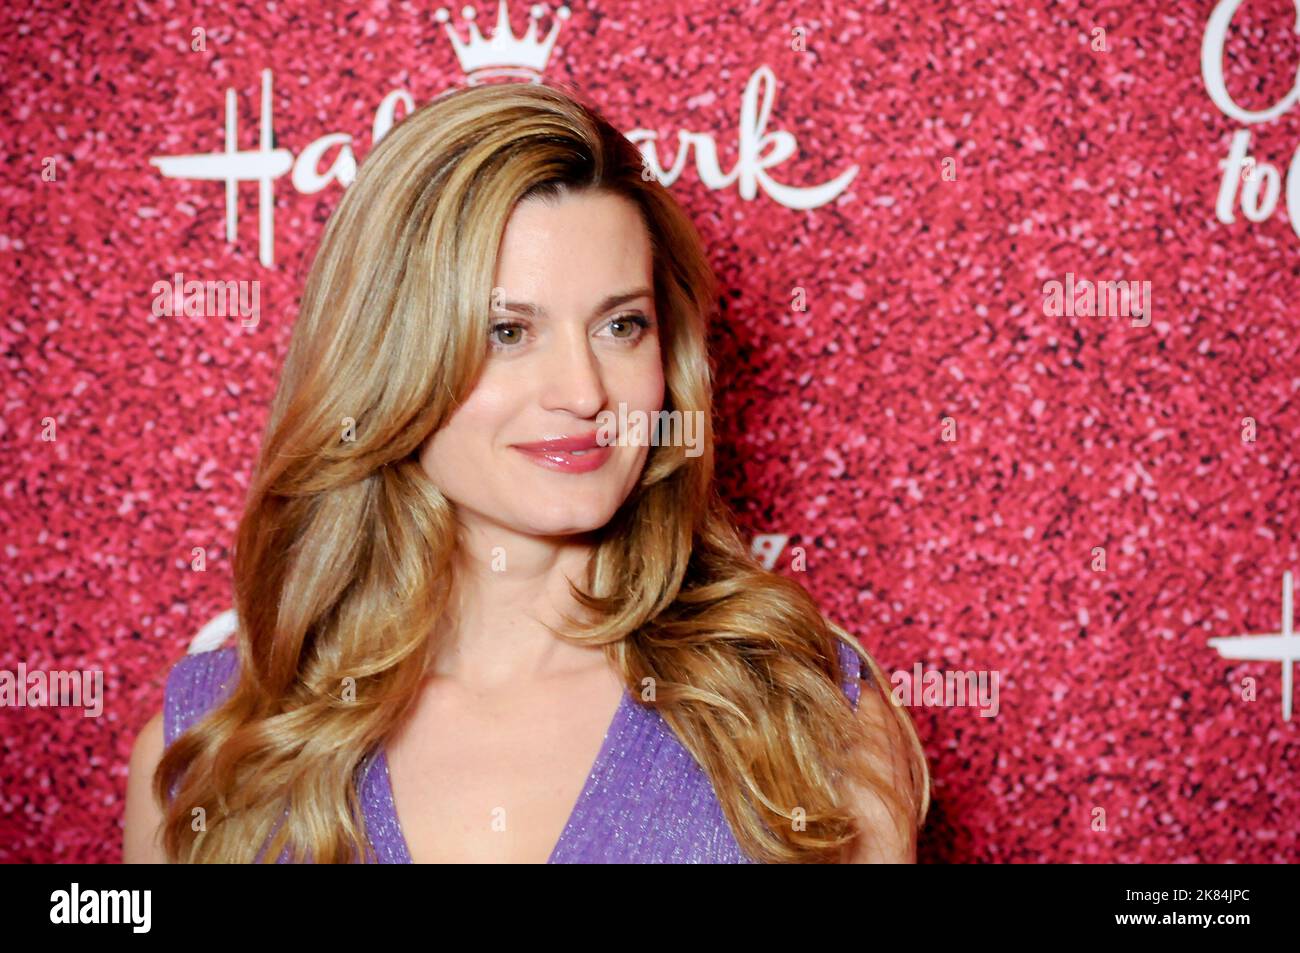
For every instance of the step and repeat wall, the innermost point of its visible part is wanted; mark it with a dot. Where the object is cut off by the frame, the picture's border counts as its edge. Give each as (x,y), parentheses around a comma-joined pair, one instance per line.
(1006,364)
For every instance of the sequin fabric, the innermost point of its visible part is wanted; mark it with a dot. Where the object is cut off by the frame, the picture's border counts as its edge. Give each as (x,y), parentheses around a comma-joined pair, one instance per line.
(646,799)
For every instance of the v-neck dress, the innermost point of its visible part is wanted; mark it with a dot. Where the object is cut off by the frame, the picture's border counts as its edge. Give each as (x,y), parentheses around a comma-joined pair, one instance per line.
(646,799)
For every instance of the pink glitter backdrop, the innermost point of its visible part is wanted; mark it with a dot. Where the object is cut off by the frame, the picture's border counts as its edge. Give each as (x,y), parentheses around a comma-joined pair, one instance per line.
(925,312)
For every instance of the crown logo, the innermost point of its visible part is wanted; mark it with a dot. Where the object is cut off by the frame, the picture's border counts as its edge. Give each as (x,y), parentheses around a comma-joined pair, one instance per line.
(504,55)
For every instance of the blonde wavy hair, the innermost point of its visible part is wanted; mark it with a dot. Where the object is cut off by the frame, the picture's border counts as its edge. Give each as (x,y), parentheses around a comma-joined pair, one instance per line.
(345,548)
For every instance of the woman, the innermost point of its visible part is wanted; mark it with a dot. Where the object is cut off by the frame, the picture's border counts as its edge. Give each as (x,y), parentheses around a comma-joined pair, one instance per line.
(449,610)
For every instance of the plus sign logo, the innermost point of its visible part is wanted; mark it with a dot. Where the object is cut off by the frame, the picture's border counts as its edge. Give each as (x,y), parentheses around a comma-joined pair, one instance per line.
(1281,647)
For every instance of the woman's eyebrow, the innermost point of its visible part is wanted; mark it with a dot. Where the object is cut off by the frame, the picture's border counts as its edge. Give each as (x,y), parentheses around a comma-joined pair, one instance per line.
(613,301)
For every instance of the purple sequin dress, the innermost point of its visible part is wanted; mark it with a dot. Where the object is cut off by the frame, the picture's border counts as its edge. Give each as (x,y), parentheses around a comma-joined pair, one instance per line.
(646,800)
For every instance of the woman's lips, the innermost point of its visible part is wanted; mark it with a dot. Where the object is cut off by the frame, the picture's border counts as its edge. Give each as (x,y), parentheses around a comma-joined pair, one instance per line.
(582,441)
(580,454)
(567,462)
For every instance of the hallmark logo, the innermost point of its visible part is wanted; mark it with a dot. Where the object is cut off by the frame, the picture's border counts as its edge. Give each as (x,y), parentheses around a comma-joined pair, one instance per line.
(503,56)
(757,150)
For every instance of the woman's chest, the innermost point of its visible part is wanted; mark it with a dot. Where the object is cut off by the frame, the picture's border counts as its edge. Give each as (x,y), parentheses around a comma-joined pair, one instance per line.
(498,781)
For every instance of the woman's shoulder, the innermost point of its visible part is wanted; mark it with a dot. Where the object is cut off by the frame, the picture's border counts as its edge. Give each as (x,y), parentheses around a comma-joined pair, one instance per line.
(195,684)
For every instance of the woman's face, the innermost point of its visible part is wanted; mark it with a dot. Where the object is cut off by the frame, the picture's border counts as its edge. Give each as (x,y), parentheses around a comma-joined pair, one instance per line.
(573,287)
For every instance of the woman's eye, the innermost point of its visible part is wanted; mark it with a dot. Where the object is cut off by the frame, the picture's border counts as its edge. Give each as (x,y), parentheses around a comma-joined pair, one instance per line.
(513,333)
(629,327)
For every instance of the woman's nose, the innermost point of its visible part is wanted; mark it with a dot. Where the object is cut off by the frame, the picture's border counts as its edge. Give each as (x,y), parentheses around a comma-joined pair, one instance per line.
(574,381)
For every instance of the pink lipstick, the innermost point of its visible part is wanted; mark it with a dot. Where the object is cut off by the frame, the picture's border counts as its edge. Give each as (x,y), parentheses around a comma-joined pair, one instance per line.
(578,454)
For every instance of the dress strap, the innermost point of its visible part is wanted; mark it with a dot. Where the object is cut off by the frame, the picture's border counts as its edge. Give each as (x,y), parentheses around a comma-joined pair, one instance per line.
(195,685)
(850,672)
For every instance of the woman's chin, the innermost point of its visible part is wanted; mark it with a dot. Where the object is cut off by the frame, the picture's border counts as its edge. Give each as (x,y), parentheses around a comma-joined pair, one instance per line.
(570,520)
